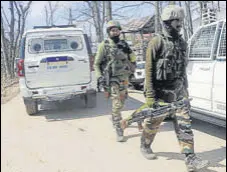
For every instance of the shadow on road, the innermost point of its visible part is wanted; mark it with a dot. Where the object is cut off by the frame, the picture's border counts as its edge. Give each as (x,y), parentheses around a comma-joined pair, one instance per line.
(214,156)
(208,128)
(199,125)
(75,108)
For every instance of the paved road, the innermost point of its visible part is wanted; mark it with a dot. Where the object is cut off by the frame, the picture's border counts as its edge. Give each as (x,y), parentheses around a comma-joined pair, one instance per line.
(69,138)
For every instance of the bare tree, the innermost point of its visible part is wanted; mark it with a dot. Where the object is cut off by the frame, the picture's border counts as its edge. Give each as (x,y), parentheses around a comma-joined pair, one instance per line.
(172,2)
(11,37)
(97,19)
(93,13)
(50,10)
(10,41)
(4,48)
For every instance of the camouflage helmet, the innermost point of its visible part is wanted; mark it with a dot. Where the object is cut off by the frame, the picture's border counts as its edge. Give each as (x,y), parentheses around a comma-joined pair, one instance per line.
(112,24)
(172,12)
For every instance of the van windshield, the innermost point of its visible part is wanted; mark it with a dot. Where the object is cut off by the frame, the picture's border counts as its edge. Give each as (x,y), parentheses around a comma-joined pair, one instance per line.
(38,45)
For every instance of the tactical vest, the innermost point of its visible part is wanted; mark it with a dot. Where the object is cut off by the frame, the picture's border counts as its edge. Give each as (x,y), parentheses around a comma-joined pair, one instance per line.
(170,63)
(118,62)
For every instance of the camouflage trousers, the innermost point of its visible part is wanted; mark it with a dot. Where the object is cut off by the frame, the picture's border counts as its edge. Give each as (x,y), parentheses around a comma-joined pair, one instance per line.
(182,126)
(118,96)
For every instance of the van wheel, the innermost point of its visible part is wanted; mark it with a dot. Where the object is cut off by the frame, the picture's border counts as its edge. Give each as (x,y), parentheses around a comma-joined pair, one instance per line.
(31,106)
(137,87)
(90,100)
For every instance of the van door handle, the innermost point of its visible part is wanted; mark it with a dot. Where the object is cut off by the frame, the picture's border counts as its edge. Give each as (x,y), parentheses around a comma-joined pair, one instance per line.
(33,66)
(83,60)
(205,68)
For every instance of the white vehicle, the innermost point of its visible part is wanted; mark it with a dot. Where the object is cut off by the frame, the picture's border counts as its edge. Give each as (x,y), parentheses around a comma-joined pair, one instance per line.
(55,65)
(207,73)
(139,75)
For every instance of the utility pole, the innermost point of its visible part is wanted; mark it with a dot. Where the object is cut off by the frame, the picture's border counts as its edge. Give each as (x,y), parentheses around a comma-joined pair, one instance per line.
(70,16)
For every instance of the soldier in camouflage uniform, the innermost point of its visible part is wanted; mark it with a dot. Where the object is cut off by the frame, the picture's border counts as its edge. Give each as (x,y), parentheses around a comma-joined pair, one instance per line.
(115,56)
(166,82)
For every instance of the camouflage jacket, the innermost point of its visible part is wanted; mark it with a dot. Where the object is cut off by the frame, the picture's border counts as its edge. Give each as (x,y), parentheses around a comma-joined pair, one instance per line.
(102,55)
(165,64)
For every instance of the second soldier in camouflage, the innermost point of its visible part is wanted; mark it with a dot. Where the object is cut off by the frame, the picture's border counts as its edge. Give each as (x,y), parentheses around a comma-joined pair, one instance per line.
(116,61)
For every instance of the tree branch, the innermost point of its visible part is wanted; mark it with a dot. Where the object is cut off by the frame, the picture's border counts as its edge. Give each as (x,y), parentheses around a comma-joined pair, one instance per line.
(2,9)
(129,6)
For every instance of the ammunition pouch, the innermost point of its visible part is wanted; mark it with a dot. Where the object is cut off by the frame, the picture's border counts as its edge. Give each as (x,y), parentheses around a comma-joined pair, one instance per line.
(167,95)
(164,70)
(172,94)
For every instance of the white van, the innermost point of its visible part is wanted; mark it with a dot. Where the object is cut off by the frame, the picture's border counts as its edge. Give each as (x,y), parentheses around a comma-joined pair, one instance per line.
(55,65)
(207,73)
(139,75)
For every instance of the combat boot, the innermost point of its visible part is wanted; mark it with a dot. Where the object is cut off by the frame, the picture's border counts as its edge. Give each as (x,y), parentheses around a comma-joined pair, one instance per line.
(194,163)
(145,146)
(120,134)
(147,152)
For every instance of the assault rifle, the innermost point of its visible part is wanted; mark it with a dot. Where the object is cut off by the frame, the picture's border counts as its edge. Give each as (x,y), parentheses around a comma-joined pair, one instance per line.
(160,111)
(104,81)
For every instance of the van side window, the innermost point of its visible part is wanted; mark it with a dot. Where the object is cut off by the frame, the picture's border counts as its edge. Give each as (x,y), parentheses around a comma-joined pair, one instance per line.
(201,43)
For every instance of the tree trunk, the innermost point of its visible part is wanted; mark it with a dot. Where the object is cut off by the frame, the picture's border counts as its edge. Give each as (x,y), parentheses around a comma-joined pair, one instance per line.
(189,18)
(97,20)
(184,26)
(70,17)
(11,37)
(108,10)
(51,13)
(219,6)
(157,17)
(47,16)
(4,49)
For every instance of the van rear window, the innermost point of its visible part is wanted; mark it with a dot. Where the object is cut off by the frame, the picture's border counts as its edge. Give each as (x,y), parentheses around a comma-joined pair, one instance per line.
(55,44)
(38,45)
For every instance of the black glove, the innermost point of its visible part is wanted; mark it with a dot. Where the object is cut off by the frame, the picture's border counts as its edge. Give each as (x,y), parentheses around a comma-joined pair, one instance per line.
(100,80)
(124,47)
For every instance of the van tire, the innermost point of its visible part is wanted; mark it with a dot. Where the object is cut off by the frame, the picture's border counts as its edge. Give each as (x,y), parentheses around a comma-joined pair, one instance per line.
(31,106)
(90,99)
(137,86)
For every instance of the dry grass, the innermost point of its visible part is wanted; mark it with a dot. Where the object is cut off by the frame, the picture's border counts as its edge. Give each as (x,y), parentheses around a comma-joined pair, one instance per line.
(10,92)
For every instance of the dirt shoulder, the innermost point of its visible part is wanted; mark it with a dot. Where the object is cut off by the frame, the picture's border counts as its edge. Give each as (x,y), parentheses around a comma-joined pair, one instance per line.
(10,92)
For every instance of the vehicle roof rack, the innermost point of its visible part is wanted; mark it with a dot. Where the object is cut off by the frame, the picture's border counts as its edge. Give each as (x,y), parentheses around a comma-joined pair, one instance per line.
(54,26)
